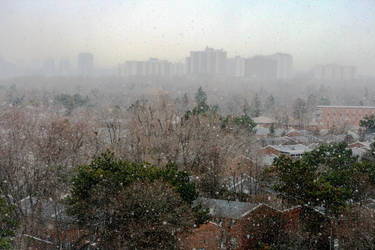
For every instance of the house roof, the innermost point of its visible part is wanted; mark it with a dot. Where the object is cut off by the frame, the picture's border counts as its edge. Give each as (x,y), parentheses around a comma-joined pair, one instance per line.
(227,209)
(263,120)
(366,145)
(47,210)
(295,149)
(347,107)
(235,209)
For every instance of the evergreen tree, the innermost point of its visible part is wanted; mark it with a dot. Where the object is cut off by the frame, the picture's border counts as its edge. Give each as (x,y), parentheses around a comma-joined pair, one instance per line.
(327,177)
(368,123)
(270,103)
(8,223)
(135,206)
(256,106)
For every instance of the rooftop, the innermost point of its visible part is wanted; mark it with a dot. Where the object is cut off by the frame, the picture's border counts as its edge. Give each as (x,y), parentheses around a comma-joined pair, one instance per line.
(263,120)
(227,209)
(296,149)
(347,107)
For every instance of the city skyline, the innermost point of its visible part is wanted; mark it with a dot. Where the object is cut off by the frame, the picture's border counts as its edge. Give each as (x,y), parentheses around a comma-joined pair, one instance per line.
(314,32)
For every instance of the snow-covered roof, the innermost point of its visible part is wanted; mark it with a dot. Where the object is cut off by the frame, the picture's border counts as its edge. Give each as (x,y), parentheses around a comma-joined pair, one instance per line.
(347,107)
(263,120)
(365,144)
(261,131)
(296,149)
(227,209)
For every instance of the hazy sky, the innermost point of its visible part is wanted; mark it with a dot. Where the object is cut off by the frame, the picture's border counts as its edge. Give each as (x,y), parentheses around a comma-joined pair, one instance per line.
(313,31)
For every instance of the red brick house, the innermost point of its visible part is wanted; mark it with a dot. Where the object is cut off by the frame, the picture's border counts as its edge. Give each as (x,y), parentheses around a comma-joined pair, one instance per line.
(206,236)
(293,151)
(240,225)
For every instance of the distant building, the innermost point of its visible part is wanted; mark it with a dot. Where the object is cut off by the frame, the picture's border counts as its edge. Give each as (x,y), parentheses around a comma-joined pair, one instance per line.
(152,67)
(338,116)
(64,67)
(284,65)
(207,62)
(85,64)
(294,151)
(261,68)
(49,67)
(264,121)
(177,69)
(236,66)
(334,72)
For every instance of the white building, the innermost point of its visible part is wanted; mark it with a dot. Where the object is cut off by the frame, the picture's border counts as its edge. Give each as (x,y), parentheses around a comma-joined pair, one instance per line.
(85,64)
(207,62)
(236,66)
(334,72)
(284,65)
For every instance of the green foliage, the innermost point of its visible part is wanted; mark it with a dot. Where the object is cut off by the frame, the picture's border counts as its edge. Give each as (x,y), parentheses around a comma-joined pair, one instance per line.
(103,189)
(329,177)
(70,102)
(272,129)
(243,121)
(270,103)
(200,97)
(368,122)
(202,106)
(256,106)
(8,223)
(324,101)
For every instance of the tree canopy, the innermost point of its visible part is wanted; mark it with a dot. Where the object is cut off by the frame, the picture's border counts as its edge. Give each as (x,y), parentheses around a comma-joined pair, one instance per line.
(133,205)
(368,122)
(329,177)
(8,223)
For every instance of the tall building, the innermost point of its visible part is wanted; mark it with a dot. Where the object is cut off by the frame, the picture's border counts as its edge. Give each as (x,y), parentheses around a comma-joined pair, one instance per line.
(49,67)
(64,67)
(207,62)
(284,65)
(236,66)
(261,68)
(177,69)
(85,64)
(334,72)
(152,67)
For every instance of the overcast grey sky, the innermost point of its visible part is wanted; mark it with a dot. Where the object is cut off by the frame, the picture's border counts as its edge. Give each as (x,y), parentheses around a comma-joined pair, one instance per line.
(313,31)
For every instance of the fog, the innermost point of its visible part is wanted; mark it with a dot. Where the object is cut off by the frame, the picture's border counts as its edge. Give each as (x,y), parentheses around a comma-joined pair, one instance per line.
(197,124)
(313,32)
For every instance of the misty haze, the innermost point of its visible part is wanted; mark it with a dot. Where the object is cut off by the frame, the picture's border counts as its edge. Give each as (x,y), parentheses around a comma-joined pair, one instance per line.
(200,124)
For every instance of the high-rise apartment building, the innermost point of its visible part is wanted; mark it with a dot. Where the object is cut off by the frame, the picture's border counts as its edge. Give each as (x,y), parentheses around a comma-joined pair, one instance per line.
(85,64)
(236,66)
(152,67)
(334,72)
(207,62)
(261,68)
(284,65)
